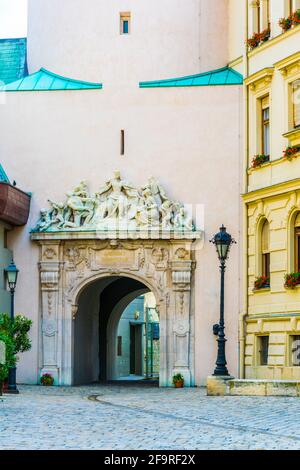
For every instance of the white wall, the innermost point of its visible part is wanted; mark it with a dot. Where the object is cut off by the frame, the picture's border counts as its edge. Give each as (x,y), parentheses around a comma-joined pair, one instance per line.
(169,38)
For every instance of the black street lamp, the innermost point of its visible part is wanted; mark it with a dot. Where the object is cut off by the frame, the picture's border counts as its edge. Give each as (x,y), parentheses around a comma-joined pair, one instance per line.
(12,275)
(222,241)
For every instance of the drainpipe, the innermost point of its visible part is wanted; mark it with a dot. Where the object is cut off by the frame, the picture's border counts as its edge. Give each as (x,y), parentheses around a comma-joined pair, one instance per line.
(243,314)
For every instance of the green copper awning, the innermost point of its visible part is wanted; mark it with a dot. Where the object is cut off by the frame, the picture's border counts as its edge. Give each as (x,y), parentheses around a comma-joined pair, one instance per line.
(43,80)
(3,175)
(223,76)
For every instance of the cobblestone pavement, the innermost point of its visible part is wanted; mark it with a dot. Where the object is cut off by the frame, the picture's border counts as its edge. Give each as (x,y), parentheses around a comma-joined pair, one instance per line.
(145,417)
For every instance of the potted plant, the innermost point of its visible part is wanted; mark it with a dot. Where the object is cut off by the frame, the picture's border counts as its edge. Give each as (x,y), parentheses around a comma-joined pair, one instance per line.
(262,282)
(254,41)
(292,280)
(265,35)
(296,17)
(47,380)
(286,23)
(178,380)
(291,152)
(259,160)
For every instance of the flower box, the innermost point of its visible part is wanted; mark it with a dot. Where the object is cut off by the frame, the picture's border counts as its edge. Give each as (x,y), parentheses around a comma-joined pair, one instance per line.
(258,38)
(259,160)
(291,152)
(289,22)
(262,282)
(292,280)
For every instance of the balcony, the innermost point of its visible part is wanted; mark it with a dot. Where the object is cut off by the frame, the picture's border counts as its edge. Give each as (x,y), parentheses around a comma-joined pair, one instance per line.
(14,205)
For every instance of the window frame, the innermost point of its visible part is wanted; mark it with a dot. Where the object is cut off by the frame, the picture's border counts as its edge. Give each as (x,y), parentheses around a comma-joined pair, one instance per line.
(260,351)
(291,339)
(125,17)
(265,253)
(265,124)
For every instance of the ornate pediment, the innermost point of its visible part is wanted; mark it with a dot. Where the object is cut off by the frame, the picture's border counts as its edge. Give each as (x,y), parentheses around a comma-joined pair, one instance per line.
(117,205)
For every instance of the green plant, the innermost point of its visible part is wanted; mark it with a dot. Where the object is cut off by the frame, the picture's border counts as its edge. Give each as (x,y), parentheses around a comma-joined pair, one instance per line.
(261,282)
(10,359)
(291,152)
(286,23)
(258,38)
(259,160)
(177,378)
(47,380)
(292,280)
(296,17)
(19,330)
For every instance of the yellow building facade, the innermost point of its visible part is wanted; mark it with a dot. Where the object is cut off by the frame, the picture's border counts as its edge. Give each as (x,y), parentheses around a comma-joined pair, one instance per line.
(270,322)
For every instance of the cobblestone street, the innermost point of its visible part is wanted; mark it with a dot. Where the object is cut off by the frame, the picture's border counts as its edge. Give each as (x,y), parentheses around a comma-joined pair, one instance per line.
(145,417)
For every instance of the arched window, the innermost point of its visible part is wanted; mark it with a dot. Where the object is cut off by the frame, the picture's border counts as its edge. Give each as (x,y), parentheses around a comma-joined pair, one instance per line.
(297,243)
(265,249)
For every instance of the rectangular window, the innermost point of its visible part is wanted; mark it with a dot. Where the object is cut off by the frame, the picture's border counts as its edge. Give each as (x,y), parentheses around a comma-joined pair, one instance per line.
(296,104)
(263,350)
(265,131)
(295,350)
(119,345)
(125,19)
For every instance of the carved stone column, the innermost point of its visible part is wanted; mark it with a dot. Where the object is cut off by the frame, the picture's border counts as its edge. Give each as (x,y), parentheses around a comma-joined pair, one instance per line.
(49,278)
(181,331)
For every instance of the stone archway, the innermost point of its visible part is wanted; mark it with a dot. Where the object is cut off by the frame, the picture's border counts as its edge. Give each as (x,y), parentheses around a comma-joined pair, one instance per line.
(120,231)
(69,263)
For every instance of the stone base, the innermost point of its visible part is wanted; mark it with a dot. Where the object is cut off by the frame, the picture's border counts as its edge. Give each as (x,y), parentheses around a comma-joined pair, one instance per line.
(218,385)
(271,388)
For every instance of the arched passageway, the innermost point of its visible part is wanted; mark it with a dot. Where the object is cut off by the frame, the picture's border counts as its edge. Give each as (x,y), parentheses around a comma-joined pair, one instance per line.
(96,348)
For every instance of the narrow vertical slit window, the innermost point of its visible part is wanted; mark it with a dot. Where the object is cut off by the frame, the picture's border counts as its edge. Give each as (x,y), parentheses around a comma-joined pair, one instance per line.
(125,23)
(122,142)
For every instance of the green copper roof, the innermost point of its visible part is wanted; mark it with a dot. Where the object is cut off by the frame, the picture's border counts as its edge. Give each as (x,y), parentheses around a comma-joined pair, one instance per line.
(13,62)
(43,80)
(223,76)
(3,175)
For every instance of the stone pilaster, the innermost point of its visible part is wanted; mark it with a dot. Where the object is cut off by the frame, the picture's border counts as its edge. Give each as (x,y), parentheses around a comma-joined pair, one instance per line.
(49,279)
(181,331)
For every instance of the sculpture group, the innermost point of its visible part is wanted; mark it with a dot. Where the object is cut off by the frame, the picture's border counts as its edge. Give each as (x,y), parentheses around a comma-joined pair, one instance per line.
(117,205)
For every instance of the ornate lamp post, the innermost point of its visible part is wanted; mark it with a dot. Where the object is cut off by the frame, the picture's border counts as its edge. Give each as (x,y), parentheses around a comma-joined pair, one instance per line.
(12,275)
(222,241)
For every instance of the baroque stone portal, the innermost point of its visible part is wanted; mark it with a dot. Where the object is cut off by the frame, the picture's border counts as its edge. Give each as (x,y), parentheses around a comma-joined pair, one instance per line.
(73,256)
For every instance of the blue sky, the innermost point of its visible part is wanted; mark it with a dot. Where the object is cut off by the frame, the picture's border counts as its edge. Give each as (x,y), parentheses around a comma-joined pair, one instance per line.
(13,18)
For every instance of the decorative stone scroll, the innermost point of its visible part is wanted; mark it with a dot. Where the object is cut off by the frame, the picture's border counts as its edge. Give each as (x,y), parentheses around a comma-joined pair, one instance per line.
(117,205)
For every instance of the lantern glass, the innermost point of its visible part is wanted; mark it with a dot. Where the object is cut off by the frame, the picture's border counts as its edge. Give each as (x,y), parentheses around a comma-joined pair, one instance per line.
(12,275)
